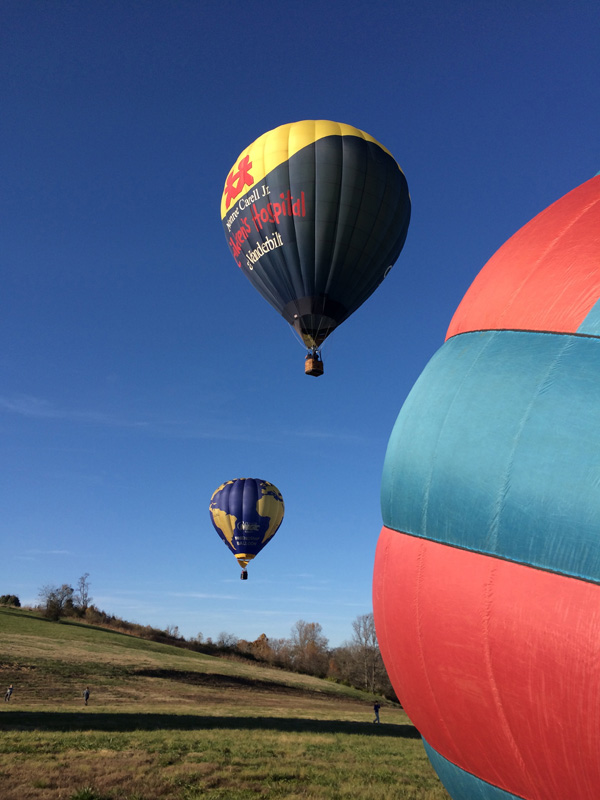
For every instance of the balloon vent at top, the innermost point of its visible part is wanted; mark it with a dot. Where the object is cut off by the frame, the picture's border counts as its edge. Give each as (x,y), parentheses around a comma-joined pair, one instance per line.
(315,214)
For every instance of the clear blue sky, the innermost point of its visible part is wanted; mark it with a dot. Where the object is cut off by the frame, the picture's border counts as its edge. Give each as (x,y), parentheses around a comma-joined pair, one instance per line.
(138,367)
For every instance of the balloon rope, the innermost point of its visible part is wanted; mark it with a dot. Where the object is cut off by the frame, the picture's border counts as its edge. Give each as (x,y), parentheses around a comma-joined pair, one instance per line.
(319,329)
(297,338)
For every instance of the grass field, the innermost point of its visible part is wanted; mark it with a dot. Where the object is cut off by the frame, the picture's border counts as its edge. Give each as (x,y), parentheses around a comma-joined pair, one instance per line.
(167,724)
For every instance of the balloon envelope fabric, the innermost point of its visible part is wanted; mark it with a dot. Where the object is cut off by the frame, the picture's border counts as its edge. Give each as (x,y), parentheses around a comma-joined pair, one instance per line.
(487,573)
(246,513)
(315,214)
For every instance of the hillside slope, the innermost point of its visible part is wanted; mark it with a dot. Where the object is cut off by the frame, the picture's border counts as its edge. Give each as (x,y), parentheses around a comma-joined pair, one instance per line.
(50,664)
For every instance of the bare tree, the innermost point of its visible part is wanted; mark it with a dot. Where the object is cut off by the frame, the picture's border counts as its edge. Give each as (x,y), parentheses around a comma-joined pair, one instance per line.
(359,661)
(366,650)
(82,598)
(279,653)
(225,639)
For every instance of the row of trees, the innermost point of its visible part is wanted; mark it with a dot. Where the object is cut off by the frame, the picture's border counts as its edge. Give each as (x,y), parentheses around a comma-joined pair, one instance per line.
(357,662)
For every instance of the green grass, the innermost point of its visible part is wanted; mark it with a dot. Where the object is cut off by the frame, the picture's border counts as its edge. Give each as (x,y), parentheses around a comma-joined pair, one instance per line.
(168,724)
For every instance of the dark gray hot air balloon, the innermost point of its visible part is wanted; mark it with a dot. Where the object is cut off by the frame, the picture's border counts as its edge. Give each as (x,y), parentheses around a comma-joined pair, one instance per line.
(315,214)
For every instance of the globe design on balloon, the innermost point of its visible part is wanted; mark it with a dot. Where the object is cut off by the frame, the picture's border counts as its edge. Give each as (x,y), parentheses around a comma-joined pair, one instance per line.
(487,573)
(246,513)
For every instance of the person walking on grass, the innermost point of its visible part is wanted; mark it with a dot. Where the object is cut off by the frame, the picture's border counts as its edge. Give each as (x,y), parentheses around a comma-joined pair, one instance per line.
(9,691)
(376,708)
(86,696)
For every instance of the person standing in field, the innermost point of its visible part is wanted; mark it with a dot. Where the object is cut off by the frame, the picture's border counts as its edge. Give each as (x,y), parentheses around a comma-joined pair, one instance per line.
(9,691)
(376,708)
(86,696)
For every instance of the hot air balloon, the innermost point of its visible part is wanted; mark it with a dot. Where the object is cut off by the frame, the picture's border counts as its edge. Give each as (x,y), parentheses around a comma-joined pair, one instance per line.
(315,214)
(486,584)
(246,513)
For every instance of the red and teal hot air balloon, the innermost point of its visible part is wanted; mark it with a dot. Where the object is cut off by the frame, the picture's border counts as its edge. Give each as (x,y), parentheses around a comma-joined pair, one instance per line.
(246,513)
(315,214)
(486,585)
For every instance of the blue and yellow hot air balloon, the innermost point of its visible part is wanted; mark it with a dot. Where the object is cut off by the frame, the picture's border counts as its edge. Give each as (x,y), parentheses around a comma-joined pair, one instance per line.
(315,214)
(246,513)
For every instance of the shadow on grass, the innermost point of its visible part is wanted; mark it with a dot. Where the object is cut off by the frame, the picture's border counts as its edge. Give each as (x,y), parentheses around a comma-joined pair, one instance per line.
(221,681)
(81,721)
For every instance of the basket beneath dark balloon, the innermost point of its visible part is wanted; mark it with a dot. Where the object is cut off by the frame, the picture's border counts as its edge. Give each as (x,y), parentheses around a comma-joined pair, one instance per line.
(313,365)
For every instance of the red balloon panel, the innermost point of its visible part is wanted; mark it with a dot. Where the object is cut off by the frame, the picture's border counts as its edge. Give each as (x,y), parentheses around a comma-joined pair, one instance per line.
(545,277)
(500,672)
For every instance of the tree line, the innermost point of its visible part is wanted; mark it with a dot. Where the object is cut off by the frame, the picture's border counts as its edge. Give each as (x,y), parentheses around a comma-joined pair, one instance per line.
(357,662)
